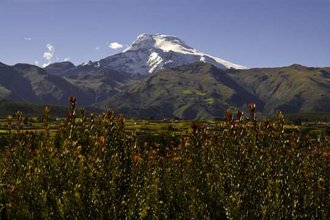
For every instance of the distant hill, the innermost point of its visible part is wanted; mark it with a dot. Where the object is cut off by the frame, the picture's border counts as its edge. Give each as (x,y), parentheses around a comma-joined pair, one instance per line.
(10,107)
(32,84)
(191,91)
(202,91)
(100,83)
(290,89)
(61,68)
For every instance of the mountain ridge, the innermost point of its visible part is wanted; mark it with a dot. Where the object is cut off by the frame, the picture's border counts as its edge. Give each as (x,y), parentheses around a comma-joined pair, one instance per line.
(191,91)
(160,76)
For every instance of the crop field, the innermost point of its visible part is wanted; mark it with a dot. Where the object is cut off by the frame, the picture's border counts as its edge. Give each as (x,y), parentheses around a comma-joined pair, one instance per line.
(107,167)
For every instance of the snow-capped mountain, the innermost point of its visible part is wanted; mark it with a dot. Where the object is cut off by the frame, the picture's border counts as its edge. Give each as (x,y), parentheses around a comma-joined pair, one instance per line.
(154,52)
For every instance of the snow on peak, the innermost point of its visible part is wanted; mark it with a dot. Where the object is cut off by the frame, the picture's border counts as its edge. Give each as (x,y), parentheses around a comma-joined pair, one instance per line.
(153,52)
(160,41)
(143,41)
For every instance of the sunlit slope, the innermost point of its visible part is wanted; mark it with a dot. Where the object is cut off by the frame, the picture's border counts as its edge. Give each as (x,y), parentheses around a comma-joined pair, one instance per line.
(195,91)
(290,89)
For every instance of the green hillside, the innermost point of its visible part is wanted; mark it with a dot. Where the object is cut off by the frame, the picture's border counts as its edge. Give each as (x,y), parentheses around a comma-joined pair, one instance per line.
(290,89)
(195,91)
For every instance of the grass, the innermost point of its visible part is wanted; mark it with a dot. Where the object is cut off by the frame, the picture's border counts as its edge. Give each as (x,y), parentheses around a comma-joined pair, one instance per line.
(193,92)
(210,101)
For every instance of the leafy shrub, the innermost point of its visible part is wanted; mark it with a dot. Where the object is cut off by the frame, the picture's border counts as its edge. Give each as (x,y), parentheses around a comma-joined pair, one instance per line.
(93,168)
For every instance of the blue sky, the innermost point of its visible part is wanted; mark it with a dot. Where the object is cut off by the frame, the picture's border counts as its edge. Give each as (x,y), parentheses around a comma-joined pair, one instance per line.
(254,33)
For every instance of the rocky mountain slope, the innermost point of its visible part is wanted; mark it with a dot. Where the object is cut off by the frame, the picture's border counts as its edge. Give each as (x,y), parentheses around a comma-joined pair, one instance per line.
(154,52)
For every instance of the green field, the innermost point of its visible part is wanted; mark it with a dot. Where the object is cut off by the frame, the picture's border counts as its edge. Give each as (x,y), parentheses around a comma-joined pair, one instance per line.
(312,126)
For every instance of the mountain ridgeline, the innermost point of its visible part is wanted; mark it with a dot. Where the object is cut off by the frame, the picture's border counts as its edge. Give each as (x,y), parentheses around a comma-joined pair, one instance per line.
(160,77)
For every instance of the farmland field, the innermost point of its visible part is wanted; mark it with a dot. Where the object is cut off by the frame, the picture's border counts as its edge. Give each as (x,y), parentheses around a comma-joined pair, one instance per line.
(108,167)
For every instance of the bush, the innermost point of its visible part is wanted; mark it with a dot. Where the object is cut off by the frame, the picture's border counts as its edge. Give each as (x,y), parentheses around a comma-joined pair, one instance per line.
(93,168)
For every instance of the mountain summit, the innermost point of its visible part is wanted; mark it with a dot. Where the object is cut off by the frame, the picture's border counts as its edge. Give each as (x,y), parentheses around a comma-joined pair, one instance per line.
(153,52)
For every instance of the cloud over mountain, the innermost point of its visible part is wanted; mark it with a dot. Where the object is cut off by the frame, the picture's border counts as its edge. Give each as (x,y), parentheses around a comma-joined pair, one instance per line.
(49,54)
(115,45)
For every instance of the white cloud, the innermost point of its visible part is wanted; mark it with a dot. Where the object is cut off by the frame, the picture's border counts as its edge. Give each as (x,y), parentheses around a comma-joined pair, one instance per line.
(67,59)
(49,54)
(97,48)
(36,63)
(115,45)
(51,48)
(27,38)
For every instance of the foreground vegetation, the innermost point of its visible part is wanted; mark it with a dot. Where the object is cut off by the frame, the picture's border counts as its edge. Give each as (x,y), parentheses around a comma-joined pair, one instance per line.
(95,168)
